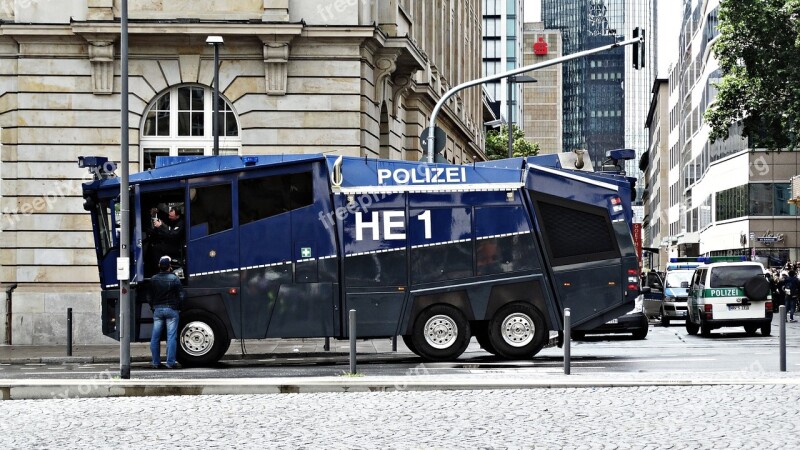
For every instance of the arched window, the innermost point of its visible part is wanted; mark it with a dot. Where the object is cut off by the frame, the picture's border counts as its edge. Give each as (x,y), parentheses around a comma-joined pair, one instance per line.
(178,123)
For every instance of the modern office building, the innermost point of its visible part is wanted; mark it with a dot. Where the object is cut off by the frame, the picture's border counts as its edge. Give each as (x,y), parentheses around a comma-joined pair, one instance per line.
(604,100)
(502,51)
(726,197)
(356,78)
(542,101)
(654,166)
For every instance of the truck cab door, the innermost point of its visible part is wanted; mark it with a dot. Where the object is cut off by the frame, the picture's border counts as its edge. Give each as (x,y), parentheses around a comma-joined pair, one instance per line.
(137,269)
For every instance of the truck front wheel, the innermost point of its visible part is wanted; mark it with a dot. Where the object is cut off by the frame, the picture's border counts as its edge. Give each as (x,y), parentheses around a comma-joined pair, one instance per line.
(441,333)
(202,339)
(517,331)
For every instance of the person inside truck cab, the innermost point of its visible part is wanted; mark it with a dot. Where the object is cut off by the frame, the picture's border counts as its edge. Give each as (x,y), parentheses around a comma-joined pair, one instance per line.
(168,234)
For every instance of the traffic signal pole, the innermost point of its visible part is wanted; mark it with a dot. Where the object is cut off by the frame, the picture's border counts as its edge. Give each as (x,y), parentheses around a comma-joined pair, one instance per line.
(511,73)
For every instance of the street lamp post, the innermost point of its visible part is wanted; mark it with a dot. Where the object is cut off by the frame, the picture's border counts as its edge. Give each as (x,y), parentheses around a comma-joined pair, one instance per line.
(216,41)
(510,82)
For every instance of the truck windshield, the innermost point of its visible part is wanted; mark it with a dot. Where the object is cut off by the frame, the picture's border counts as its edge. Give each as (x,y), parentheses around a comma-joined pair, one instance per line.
(733,276)
(675,278)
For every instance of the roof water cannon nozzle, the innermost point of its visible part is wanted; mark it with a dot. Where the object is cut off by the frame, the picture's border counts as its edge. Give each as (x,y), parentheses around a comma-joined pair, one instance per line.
(579,159)
(99,166)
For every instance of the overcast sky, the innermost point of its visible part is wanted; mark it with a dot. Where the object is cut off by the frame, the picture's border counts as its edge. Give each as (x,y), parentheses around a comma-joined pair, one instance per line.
(669,23)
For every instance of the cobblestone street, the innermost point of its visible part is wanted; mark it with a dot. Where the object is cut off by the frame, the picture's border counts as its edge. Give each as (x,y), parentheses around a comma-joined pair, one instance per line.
(644,417)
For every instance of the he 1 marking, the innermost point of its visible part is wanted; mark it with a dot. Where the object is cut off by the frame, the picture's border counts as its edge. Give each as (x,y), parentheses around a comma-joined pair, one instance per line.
(393,225)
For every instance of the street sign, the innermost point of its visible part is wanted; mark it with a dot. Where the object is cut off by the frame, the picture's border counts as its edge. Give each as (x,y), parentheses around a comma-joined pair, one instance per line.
(438,134)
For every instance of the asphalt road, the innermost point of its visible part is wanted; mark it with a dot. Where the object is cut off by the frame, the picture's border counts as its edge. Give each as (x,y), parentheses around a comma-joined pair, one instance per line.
(665,350)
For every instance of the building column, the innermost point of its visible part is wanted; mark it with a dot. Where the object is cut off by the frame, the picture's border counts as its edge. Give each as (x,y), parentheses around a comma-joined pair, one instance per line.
(276,66)
(101,54)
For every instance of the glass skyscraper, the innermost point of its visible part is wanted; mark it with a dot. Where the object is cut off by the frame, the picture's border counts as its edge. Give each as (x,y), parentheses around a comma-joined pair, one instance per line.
(595,88)
(502,50)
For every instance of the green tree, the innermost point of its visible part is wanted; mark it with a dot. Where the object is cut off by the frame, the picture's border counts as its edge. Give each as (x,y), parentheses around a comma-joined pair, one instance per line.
(497,144)
(759,54)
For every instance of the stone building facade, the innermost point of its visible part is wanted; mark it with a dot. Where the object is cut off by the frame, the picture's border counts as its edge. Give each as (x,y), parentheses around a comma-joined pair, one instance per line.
(352,77)
(542,101)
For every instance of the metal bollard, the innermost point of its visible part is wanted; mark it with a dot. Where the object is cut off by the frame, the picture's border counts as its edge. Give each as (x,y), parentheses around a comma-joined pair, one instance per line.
(567,340)
(352,328)
(69,331)
(782,337)
(327,346)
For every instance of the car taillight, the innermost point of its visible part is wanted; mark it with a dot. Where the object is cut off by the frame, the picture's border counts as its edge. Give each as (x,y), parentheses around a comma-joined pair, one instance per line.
(708,311)
(768,307)
(633,280)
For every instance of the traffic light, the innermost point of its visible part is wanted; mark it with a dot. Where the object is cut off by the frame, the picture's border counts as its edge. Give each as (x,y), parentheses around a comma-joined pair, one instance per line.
(638,48)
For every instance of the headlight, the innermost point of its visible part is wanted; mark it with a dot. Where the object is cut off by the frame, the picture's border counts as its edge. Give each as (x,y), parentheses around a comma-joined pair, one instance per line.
(669,298)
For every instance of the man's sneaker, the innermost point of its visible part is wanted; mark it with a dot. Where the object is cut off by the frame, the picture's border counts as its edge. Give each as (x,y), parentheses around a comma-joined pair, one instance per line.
(792,320)
(174,366)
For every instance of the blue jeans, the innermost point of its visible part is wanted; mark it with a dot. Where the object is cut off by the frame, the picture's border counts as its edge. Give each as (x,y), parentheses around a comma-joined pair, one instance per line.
(160,315)
(791,305)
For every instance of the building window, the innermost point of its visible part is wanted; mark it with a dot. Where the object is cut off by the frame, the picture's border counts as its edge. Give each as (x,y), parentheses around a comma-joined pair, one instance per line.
(731,203)
(179,123)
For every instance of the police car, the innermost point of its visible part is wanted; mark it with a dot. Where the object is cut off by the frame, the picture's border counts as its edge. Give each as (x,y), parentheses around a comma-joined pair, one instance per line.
(725,293)
(676,288)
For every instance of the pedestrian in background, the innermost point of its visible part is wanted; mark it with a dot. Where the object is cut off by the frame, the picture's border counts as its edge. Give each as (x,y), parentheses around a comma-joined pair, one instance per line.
(166,297)
(791,288)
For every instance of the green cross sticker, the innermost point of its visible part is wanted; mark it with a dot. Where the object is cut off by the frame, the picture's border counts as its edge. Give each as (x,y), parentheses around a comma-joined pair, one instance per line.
(305,252)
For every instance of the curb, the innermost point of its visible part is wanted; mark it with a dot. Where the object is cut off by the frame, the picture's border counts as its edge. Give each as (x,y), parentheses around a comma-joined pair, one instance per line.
(106,388)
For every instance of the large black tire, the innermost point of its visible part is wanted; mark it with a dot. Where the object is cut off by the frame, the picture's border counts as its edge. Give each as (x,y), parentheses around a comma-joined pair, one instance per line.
(517,331)
(664,319)
(756,288)
(766,329)
(202,339)
(481,333)
(750,330)
(705,330)
(691,327)
(577,335)
(410,343)
(641,333)
(440,333)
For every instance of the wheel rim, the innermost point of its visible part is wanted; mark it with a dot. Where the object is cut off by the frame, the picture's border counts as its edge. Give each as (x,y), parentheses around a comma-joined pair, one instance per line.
(518,330)
(197,338)
(440,331)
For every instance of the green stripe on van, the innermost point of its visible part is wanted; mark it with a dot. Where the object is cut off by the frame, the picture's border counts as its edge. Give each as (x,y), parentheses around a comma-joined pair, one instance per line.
(723,292)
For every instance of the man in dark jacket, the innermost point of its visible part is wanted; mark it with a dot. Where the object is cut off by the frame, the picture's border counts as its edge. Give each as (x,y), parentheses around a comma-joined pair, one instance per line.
(791,287)
(166,297)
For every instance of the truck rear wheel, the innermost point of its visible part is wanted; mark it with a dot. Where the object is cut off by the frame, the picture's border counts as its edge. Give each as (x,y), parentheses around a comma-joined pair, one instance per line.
(410,344)
(691,327)
(517,330)
(441,333)
(202,339)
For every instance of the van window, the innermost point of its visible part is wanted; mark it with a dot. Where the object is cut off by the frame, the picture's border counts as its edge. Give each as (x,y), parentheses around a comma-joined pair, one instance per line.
(733,276)
(677,278)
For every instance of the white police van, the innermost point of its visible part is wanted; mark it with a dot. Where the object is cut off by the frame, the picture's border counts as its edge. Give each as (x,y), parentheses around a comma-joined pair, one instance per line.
(676,288)
(726,293)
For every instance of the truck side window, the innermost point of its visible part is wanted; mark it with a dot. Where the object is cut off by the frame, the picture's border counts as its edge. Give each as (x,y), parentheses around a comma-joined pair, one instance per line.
(210,210)
(264,197)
